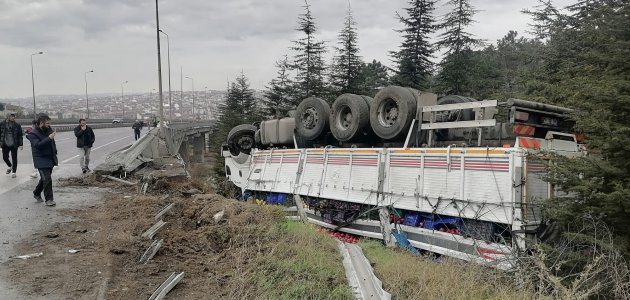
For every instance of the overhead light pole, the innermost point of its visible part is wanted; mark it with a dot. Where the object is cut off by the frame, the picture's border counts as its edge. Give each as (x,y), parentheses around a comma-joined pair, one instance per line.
(205,101)
(159,57)
(122,99)
(193,97)
(33,81)
(87,102)
(170,100)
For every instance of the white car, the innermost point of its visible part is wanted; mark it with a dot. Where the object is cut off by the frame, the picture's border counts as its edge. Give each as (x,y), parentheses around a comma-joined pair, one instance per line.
(117,120)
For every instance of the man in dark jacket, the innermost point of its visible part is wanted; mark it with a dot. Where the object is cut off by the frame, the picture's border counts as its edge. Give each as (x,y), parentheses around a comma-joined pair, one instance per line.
(44,150)
(85,140)
(137,126)
(11,138)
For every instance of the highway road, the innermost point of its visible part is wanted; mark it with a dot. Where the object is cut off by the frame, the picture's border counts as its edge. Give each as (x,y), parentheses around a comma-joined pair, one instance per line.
(21,216)
(107,140)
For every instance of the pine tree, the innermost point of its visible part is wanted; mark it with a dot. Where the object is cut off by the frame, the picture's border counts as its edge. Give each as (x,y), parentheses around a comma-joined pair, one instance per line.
(373,76)
(413,64)
(308,62)
(347,63)
(239,107)
(455,69)
(279,96)
(585,66)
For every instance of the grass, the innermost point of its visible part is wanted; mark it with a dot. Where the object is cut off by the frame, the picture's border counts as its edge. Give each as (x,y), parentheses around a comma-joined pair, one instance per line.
(303,264)
(407,276)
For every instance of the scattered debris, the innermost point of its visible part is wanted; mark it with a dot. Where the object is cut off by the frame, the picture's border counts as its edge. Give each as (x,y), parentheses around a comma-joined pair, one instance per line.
(127,197)
(145,188)
(73,251)
(82,230)
(52,235)
(153,230)
(27,256)
(218,216)
(118,251)
(5,242)
(119,180)
(151,251)
(191,192)
(163,211)
(166,287)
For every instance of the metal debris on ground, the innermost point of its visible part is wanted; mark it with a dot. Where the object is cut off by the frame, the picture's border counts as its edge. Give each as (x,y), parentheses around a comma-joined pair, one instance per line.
(191,192)
(218,216)
(167,286)
(73,251)
(153,230)
(27,256)
(151,251)
(119,180)
(164,210)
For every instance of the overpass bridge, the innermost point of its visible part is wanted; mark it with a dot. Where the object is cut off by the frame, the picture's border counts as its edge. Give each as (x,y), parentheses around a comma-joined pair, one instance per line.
(186,140)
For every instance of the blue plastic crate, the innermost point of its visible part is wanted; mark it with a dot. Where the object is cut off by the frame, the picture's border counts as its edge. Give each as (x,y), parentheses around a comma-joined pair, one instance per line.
(439,222)
(271,198)
(280,198)
(412,219)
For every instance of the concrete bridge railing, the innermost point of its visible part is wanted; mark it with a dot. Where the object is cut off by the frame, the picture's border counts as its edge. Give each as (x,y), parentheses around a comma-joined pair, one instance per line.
(177,137)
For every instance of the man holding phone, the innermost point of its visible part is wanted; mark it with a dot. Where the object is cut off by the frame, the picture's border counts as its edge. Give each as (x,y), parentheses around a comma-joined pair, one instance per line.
(44,151)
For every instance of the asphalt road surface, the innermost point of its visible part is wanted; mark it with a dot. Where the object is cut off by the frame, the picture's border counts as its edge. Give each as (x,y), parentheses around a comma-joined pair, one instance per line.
(21,216)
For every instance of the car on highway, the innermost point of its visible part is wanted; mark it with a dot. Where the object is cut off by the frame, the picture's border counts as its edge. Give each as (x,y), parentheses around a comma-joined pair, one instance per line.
(117,120)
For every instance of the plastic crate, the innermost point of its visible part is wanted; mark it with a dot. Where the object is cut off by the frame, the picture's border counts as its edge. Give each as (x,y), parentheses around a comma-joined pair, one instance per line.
(412,219)
(439,222)
(281,198)
(271,198)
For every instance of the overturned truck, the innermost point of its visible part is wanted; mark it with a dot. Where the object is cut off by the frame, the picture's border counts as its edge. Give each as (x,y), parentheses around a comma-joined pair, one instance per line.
(458,177)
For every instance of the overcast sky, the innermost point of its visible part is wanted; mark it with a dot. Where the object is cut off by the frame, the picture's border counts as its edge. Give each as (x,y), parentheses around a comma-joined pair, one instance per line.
(212,40)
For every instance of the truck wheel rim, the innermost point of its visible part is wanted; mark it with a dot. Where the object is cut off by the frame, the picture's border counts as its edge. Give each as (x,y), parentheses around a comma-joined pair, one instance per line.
(344,117)
(388,113)
(310,118)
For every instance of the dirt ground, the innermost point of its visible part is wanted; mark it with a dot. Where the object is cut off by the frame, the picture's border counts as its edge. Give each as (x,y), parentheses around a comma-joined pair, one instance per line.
(217,257)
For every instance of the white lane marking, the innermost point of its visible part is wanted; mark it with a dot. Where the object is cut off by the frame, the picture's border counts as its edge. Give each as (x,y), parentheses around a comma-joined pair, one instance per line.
(94,149)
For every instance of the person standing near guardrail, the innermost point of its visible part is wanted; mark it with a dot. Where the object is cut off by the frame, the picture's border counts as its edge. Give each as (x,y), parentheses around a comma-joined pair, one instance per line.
(44,151)
(11,138)
(137,126)
(85,140)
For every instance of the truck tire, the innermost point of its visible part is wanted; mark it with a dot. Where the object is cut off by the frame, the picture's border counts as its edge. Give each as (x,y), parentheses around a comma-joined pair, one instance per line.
(392,112)
(350,114)
(312,116)
(257,138)
(241,139)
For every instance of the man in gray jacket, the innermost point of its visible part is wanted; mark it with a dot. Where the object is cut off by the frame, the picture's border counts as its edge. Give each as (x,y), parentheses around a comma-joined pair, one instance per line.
(11,138)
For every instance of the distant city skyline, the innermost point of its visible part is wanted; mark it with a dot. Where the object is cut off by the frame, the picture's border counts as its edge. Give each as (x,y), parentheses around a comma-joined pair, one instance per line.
(212,40)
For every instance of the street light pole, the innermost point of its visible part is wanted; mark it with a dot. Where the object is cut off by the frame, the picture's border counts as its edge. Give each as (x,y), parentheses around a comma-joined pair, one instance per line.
(193,96)
(205,101)
(33,81)
(122,99)
(170,101)
(159,57)
(87,102)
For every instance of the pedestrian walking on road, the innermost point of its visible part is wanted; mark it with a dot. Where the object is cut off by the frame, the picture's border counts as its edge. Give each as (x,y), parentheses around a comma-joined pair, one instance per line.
(137,126)
(11,138)
(44,150)
(85,140)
